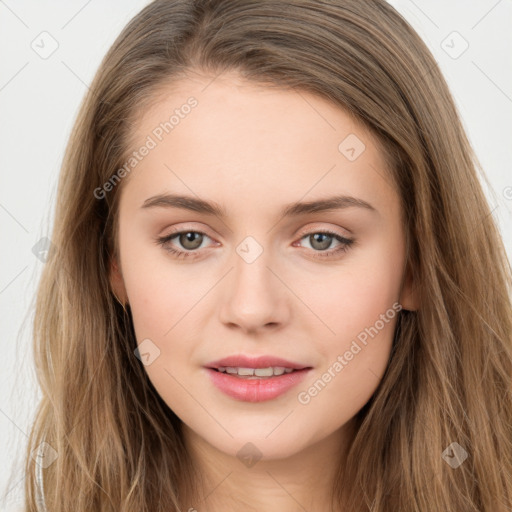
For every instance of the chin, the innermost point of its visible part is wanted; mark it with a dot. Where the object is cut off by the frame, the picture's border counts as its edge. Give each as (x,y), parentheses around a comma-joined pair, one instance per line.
(253,443)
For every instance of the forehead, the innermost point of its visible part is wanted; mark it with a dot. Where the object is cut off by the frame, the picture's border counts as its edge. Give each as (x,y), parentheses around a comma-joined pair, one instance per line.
(228,108)
(214,136)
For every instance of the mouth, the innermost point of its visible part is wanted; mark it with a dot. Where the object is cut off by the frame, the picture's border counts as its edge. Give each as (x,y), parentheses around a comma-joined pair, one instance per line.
(250,379)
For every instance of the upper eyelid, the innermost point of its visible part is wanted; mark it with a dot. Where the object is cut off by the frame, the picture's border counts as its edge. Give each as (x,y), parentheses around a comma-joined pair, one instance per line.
(317,229)
(186,230)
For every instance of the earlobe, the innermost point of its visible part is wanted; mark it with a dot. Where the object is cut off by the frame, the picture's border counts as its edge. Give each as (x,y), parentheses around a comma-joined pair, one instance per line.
(117,282)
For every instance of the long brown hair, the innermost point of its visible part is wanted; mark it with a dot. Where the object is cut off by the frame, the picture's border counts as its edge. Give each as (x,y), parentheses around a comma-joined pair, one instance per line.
(119,447)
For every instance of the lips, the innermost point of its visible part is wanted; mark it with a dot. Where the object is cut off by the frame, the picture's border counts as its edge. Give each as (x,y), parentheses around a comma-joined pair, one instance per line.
(254,388)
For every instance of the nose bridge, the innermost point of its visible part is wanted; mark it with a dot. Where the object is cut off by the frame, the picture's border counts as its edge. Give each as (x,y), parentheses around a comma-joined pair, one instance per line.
(253,297)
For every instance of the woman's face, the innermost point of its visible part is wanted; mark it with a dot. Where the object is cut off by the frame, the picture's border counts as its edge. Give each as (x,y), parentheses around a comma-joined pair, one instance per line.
(236,170)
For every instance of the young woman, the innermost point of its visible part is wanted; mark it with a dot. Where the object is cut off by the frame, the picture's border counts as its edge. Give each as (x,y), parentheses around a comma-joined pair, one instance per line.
(276,282)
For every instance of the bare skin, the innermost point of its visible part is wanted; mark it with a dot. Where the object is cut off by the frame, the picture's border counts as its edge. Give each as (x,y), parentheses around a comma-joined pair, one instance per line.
(253,150)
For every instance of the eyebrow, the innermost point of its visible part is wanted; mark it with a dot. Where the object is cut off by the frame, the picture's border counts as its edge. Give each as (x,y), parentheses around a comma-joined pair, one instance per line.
(195,204)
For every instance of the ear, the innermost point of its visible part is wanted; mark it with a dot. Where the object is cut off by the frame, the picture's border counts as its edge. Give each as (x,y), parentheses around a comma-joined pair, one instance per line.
(409,296)
(116,281)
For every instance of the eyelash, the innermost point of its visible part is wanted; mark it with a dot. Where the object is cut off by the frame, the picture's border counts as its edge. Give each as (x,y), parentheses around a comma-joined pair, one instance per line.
(344,247)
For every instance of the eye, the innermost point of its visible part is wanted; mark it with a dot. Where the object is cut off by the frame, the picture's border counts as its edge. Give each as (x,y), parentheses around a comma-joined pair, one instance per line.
(321,240)
(190,240)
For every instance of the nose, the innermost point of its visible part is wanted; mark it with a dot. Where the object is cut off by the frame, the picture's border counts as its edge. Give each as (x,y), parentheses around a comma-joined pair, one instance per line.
(253,297)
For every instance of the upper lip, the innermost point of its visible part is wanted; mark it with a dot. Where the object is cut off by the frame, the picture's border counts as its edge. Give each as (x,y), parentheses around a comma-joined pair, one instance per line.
(266,361)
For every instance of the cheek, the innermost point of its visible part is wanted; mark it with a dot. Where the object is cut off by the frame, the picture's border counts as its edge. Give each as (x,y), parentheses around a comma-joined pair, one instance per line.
(158,304)
(160,291)
(359,307)
(162,305)
(355,359)
(352,297)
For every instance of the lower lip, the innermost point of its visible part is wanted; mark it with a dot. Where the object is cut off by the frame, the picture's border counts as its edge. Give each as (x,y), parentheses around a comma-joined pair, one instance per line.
(256,390)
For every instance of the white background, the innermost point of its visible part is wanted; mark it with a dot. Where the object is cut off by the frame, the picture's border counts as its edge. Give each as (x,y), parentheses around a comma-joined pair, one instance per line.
(39,99)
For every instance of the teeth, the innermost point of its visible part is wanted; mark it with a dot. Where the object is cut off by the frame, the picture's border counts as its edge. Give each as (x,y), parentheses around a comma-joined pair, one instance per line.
(257,372)
(264,372)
